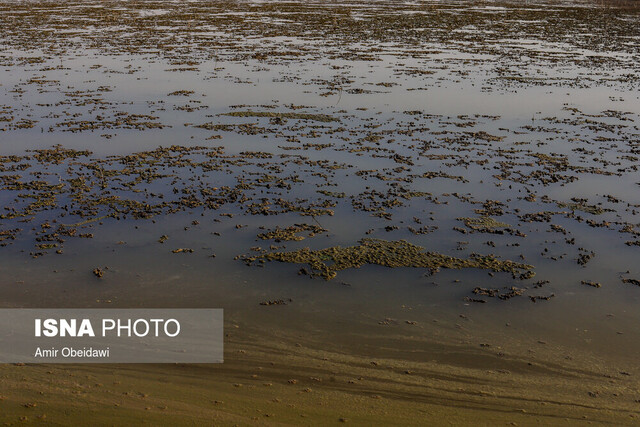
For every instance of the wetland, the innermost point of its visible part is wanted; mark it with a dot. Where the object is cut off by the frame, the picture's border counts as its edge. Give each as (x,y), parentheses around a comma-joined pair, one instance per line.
(409,211)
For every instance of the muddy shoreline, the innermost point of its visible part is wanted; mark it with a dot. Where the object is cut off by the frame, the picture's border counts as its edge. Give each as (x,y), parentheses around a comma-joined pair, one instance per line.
(289,380)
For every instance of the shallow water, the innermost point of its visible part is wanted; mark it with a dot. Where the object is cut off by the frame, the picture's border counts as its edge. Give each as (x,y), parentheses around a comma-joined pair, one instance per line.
(498,102)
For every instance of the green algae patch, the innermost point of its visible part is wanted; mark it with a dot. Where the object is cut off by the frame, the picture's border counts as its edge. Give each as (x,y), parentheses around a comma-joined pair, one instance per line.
(590,209)
(484,223)
(58,154)
(327,262)
(300,116)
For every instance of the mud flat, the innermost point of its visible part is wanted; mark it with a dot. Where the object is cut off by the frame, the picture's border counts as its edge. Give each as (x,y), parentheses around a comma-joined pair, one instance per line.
(286,380)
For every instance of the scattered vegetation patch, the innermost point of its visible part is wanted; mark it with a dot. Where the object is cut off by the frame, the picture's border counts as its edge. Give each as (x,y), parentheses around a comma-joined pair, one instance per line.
(581,206)
(484,224)
(327,262)
(591,283)
(300,116)
(291,233)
